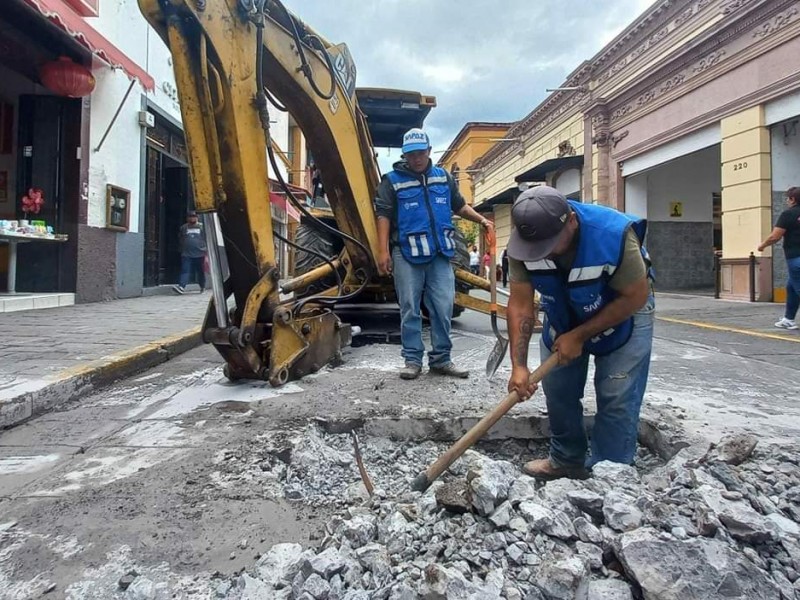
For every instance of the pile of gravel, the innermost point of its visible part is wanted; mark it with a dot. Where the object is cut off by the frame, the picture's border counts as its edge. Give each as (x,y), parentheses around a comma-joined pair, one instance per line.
(714,522)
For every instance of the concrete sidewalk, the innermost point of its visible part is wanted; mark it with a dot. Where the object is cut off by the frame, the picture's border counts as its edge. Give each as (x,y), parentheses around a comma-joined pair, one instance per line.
(52,355)
(749,318)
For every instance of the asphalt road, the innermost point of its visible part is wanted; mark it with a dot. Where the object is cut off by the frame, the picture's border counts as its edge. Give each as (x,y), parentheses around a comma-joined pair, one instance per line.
(162,472)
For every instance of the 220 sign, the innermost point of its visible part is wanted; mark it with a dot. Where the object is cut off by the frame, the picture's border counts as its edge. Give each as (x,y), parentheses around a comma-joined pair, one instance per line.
(739,166)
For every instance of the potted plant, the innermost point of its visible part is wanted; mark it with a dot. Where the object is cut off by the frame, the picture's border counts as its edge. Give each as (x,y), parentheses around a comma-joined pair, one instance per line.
(32,202)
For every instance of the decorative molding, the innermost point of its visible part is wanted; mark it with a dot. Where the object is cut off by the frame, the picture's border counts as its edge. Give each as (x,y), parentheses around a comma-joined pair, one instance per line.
(734,5)
(616,138)
(761,96)
(565,148)
(778,22)
(672,82)
(695,72)
(667,29)
(709,61)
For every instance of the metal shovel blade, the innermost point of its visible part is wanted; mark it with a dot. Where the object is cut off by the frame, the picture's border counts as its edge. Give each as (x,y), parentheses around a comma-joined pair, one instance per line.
(496,356)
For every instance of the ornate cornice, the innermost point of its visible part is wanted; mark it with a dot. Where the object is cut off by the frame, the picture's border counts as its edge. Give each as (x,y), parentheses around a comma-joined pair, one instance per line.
(706,61)
(766,94)
(778,22)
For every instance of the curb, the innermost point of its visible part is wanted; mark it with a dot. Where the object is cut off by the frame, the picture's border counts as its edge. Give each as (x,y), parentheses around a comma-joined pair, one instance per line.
(75,382)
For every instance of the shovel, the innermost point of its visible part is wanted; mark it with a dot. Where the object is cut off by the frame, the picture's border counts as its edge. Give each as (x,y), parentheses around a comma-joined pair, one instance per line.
(498,353)
(423,481)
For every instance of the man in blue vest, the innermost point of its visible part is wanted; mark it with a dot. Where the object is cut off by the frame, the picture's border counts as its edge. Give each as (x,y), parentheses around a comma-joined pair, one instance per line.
(416,240)
(592,273)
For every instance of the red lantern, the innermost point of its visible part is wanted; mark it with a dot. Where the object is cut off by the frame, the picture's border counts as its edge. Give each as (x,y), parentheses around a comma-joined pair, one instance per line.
(67,78)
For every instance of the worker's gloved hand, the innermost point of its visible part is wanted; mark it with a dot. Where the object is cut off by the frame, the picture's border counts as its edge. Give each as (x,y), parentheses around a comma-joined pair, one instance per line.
(520,383)
(569,346)
(384,263)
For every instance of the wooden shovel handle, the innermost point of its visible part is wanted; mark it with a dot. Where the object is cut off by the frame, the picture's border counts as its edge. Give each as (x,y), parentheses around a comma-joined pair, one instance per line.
(427,477)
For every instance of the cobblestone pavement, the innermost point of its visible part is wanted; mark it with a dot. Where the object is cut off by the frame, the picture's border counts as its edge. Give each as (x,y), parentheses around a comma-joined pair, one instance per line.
(38,343)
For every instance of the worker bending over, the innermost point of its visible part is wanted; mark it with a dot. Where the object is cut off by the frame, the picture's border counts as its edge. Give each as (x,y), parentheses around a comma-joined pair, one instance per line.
(593,275)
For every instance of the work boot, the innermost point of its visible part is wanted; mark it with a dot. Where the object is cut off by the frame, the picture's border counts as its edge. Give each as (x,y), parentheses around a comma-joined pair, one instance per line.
(450,370)
(543,468)
(410,371)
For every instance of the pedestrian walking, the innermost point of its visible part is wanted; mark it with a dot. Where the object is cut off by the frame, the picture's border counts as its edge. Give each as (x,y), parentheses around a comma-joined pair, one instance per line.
(193,253)
(416,236)
(787,228)
(487,262)
(593,276)
(475,261)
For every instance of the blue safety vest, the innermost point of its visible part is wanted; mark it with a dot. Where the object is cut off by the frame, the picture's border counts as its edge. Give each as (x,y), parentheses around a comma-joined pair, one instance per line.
(424,219)
(570,299)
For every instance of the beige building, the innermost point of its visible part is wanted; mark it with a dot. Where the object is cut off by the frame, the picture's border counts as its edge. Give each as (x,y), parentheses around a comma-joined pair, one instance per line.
(472,142)
(688,118)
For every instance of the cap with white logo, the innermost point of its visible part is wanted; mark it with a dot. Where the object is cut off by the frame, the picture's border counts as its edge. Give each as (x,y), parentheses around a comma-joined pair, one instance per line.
(415,139)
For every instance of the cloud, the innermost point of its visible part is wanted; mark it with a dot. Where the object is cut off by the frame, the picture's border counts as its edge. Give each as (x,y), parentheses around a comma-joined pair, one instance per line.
(484,61)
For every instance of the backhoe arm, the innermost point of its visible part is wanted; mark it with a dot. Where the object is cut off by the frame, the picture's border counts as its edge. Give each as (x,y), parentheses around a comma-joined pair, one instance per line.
(225,53)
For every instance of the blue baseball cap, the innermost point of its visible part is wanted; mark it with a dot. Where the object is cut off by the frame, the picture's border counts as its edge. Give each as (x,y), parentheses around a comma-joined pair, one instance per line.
(415,139)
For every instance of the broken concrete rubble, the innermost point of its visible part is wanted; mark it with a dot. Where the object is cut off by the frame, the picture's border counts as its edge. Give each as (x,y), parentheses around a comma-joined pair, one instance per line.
(689,529)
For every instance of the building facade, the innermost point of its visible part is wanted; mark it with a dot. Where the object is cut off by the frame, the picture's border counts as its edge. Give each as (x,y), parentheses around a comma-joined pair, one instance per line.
(688,118)
(123,141)
(472,142)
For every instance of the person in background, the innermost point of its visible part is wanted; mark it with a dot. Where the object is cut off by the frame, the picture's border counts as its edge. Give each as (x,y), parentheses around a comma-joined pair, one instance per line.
(787,228)
(487,264)
(475,261)
(193,253)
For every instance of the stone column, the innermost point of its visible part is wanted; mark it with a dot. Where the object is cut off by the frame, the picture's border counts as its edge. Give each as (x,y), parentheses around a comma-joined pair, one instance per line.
(746,203)
(600,156)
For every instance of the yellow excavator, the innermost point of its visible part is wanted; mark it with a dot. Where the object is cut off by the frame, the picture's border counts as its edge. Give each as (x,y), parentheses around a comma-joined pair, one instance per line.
(233,59)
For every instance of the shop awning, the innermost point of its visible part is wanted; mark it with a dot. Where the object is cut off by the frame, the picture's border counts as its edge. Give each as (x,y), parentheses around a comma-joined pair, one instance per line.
(505,197)
(278,197)
(540,171)
(65,18)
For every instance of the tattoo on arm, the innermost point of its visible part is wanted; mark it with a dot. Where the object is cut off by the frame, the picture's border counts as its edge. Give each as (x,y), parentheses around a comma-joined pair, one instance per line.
(526,326)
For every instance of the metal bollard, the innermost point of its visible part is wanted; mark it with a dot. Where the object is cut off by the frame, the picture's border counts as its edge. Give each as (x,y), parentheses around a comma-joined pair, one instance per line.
(717,275)
(752,277)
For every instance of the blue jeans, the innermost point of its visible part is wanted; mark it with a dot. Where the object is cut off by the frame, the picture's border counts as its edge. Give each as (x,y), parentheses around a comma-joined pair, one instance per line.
(793,288)
(192,268)
(435,283)
(620,379)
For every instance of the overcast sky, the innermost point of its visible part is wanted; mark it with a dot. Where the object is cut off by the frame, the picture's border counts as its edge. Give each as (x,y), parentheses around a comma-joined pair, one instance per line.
(484,61)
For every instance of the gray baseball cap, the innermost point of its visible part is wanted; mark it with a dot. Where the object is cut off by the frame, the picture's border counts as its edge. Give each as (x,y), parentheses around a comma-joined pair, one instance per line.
(539,215)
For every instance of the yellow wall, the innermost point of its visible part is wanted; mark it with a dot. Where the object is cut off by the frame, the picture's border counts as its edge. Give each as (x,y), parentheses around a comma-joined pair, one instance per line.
(746,183)
(537,150)
(502,224)
(470,148)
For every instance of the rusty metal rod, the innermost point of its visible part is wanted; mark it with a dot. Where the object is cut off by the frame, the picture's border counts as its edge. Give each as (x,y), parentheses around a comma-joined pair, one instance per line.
(361,468)
(308,278)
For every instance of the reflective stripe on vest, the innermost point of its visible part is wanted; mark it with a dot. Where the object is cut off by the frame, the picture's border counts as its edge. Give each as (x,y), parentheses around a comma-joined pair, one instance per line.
(424,219)
(585,292)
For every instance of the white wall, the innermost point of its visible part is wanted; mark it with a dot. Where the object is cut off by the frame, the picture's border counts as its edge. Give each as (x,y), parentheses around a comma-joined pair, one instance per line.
(691,179)
(569,182)
(279,130)
(636,195)
(119,160)
(786,154)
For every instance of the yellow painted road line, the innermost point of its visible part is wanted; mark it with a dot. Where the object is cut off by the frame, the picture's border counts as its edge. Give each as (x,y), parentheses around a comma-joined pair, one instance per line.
(754,333)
